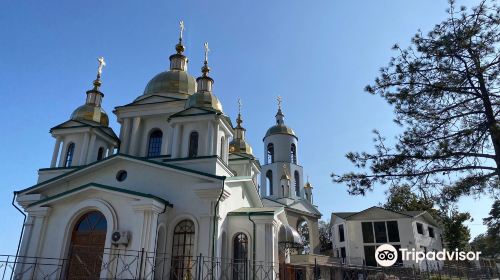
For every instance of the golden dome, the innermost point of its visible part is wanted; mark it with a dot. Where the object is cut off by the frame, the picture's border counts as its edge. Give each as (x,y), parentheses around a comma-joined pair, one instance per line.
(280,129)
(205,100)
(90,112)
(308,186)
(240,146)
(172,81)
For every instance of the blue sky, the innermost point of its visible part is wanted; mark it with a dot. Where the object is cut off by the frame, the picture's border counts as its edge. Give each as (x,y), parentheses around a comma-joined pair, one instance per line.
(318,57)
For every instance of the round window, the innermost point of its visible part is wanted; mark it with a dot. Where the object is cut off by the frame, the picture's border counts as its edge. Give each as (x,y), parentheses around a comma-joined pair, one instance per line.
(121,175)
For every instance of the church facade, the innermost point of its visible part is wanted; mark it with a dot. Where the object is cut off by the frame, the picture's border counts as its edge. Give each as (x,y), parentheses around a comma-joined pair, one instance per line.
(178,182)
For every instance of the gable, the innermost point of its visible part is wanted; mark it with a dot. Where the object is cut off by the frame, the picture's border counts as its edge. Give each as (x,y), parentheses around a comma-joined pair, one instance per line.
(112,164)
(376,213)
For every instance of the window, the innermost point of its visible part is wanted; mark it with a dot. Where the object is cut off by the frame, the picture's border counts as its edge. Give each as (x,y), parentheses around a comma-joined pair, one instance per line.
(342,252)
(154,144)
(270,153)
(121,175)
(240,256)
(193,144)
(293,153)
(100,153)
(367,229)
(69,155)
(393,231)
(420,228)
(341,233)
(431,232)
(297,183)
(269,182)
(399,262)
(370,256)
(86,247)
(183,250)
(380,232)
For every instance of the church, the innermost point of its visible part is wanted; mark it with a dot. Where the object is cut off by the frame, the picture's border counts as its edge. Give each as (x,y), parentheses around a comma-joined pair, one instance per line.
(176,191)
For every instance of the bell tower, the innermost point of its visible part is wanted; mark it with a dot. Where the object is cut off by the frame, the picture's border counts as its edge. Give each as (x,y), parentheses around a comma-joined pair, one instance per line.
(282,176)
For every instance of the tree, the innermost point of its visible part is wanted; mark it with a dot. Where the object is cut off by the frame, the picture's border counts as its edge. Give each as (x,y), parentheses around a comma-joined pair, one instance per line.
(493,220)
(445,92)
(455,233)
(325,236)
(487,245)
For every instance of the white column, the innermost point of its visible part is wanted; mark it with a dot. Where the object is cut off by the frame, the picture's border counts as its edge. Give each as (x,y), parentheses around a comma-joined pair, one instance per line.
(134,134)
(91,149)
(210,132)
(84,148)
(63,154)
(125,136)
(55,154)
(214,139)
(164,142)
(175,143)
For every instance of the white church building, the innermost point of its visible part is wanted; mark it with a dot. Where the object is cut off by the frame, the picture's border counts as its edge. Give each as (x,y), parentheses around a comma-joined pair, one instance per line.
(176,188)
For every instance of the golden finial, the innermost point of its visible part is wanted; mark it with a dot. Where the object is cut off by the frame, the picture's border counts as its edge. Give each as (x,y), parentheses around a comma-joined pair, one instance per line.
(239,120)
(102,63)
(180,47)
(205,69)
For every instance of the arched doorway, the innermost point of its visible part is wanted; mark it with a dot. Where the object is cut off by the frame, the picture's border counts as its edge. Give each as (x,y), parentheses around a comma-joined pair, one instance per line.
(87,245)
(303,230)
(183,251)
(240,256)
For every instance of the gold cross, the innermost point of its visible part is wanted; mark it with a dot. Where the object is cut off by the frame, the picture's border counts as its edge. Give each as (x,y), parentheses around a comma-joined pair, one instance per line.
(279,101)
(181,26)
(206,51)
(102,63)
(239,105)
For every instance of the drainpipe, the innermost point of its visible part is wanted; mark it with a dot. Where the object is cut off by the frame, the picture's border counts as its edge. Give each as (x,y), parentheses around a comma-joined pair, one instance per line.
(254,243)
(216,213)
(22,229)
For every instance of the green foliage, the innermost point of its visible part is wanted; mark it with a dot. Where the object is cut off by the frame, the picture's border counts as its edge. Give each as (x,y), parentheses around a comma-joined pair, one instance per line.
(325,236)
(445,92)
(456,234)
(489,243)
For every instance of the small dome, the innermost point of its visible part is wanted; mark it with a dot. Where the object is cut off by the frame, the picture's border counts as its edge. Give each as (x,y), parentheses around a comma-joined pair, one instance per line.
(240,146)
(172,81)
(204,100)
(89,112)
(280,129)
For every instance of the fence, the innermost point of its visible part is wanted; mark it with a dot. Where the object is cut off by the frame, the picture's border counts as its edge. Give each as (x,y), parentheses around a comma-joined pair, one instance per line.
(119,264)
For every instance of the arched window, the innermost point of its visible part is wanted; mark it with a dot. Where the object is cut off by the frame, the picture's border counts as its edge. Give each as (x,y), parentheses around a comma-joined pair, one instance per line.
(240,256)
(222,148)
(293,153)
(87,246)
(296,178)
(270,153)
(100,153)
(154,144)
(193,144)
(183,251)
(269,182)
(69,155)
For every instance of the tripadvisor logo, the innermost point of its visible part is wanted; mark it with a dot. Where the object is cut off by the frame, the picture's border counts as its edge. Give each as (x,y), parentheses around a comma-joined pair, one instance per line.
(387,255)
